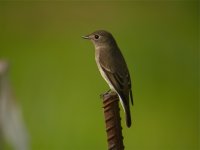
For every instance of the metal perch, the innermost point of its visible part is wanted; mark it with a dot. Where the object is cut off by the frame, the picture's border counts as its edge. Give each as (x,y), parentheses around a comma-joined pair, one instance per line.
(113,121)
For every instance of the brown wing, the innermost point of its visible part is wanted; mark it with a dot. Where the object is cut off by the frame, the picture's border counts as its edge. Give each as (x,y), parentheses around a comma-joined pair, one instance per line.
(117,72)
(117,83)
(114,67)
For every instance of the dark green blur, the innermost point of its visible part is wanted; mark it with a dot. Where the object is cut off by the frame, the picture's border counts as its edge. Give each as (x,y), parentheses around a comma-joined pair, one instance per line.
(57,83)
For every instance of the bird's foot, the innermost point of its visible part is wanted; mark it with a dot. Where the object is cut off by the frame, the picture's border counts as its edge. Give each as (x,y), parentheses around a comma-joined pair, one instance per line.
(108,92)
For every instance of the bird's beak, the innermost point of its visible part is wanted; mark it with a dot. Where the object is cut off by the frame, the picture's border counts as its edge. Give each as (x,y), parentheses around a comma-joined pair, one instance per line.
(86,37)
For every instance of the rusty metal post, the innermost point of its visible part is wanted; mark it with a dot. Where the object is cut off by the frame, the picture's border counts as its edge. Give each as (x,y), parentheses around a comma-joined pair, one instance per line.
(113,121)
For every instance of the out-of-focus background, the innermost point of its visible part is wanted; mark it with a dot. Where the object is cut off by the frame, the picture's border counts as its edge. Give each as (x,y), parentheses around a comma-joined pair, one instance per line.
(57,84)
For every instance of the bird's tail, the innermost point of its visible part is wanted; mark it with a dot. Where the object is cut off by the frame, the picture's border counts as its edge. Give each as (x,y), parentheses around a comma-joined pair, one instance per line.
(128,117)
(125,104)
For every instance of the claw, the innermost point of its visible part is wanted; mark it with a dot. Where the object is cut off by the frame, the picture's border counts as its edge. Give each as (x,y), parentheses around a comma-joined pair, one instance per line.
(108,92)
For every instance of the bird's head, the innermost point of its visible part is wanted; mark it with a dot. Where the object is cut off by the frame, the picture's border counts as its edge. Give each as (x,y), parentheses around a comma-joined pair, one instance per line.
(100,38)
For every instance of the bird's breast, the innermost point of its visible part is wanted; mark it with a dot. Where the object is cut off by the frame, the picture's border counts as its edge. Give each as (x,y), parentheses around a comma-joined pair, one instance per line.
(102,72)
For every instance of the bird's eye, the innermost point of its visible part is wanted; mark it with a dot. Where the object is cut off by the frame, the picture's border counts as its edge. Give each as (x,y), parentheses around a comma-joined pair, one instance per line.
(96,37)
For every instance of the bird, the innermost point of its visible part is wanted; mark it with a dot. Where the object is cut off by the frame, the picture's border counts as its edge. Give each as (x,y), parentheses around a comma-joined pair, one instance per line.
(113,68)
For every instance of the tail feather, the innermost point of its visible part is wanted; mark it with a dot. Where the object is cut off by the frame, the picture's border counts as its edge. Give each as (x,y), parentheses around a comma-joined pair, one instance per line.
(131,96)
(125,104)
(128,117)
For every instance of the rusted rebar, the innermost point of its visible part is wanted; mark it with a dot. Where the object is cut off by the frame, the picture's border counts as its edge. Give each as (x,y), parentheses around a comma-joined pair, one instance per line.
(113,121)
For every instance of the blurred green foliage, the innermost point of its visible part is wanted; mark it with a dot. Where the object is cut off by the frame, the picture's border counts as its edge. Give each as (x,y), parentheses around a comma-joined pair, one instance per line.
(57,83)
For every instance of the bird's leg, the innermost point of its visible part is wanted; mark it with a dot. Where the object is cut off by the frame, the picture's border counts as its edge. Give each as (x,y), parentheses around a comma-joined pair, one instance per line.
(101,95)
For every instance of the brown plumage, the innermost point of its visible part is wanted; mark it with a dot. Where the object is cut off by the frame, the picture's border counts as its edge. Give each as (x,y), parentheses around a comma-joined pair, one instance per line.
(113,68)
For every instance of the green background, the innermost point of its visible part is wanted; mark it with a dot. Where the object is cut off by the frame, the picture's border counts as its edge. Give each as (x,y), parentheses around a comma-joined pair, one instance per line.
(57,84)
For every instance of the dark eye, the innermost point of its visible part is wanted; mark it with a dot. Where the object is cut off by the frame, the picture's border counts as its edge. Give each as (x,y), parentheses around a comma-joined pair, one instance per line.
(96,37)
